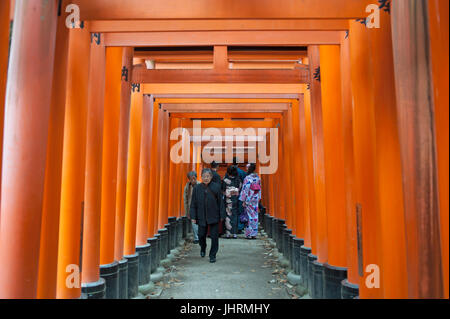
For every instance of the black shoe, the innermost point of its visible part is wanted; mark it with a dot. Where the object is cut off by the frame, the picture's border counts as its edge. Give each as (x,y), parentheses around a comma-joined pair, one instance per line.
(202,254)
(195,241)
(212,259)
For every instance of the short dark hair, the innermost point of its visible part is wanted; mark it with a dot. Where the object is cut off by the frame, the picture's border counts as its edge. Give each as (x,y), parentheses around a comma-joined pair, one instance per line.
(232,170)
(252,168)
(214,164)
(191,174)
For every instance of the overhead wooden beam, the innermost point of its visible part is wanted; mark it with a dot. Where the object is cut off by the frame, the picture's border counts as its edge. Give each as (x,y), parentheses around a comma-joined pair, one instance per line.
(221,9)
(243,114)
(143,75)
(229,38)
(105,26)
(199,97)
(225,108)
(233,56)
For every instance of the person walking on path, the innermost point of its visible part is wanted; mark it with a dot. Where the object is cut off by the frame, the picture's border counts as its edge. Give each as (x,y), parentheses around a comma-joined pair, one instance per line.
(187,197)
(231,186)
(250,197)
(207,209)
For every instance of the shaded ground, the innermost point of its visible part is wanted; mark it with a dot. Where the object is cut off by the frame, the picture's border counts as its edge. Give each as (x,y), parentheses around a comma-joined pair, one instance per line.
(245,269)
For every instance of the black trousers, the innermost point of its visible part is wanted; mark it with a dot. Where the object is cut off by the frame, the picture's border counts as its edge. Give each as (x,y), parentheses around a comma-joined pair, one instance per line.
(214,233)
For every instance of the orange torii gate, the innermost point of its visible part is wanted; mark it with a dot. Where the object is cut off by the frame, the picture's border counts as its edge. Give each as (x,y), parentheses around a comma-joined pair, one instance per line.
(362,192)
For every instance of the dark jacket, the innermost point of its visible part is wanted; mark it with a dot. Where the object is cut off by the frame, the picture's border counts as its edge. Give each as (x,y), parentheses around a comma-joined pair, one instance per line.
(207,206)
(216,178)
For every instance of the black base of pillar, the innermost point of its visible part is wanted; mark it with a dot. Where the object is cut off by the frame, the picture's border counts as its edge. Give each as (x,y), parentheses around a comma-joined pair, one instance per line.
(123,279)
(179,231)
(282,229)
(318,289)
(133,275)
(94,290)
(144,264)
(110,273)
(303,266)
(311,259)
(185,229)
(297,243)
(154,252)
(267,220)
(332,278)
(286,244)
(172,232)
(349,290)
(273,231)
(163,243)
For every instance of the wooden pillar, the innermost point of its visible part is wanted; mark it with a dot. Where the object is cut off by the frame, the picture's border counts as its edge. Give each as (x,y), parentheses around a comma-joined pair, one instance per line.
(301,199)
(333,142)
(292,192)
(438,23)
(364,144)
(310,173)
(307,193)
(142,233)
(415,107)
(158,201)
(122,159)
(154,174)
(48,253)
(318,154)
(133,172)
(110,153)
(388,163)
(164,173)
(25,145)
(94,145)
(174,122)
(4,54)
(73,162)
(349,169)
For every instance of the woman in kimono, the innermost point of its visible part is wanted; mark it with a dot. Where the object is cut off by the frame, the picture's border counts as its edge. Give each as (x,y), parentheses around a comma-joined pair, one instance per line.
(231,186)
(250,197)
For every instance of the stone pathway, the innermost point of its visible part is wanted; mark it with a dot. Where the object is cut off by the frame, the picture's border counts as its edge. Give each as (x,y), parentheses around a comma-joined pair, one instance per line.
(245,269)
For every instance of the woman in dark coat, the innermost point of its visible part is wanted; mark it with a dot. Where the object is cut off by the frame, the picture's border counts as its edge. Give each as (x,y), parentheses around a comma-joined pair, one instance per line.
(207,209)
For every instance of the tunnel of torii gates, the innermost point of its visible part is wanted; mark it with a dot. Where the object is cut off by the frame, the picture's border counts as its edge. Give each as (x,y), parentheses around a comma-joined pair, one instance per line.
(359,199)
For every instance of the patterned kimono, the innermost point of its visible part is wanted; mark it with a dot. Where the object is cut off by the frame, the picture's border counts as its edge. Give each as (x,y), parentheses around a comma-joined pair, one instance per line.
(251,200)
(231,187)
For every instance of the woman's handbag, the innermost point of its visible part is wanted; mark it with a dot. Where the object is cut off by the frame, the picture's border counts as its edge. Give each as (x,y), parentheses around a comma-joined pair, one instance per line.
(243,217)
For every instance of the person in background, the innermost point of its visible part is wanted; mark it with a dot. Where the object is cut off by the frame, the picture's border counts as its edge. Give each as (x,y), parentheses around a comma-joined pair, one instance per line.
(216,177)
(231,186)
(187,196)
(242,175)
(250,197)
(207,210)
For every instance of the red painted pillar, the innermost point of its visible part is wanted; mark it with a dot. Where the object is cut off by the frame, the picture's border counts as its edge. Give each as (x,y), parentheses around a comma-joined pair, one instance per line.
(438,15)
(25,144)
(4,53)
(48,257)
(154,175)
(94,146)
(318,155)
(349,168)
(122,160)
(142,233)
(73,165)
(133,172)
(110,154)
